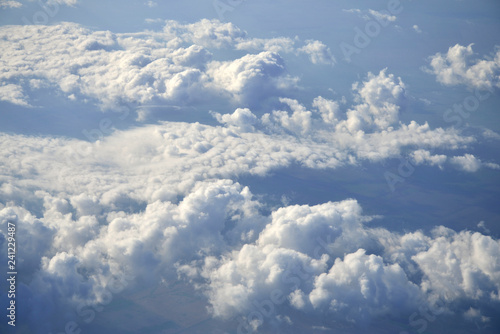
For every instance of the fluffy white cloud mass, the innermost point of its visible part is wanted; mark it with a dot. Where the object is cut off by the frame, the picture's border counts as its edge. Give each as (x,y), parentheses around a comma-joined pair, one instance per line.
(174,65)
(162,202)
(458,67)
(159,199)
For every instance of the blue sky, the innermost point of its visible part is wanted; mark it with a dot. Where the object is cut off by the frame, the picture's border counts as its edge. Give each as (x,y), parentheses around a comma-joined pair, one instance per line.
(220,166)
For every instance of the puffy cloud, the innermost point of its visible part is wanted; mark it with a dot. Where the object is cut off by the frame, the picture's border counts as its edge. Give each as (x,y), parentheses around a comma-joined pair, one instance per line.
(243,119)
(324,260)
(159,199)
(458,265)
(457,66)
(62,2)
(298,123)
(146,68)
(469,163)
(382,15)
(101,65)
(318,52)
(311,259)
(252,77)
(421,157)
(208,33)
(150,67)
(10,4)
(366,281)
(329,110)
(381,98)
(278,44)
(14,94)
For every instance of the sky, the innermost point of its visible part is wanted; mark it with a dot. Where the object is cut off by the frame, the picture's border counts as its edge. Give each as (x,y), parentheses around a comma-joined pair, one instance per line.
(250,166)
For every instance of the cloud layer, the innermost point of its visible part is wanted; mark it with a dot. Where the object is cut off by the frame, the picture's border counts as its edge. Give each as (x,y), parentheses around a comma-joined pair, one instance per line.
(161,202)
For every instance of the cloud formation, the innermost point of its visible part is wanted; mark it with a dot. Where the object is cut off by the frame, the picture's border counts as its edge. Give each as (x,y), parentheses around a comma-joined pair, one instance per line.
(459,67)
(160,202)
(173,65)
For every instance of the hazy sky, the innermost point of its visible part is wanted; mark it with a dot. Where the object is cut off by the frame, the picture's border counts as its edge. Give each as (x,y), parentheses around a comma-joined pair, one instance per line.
(248,166)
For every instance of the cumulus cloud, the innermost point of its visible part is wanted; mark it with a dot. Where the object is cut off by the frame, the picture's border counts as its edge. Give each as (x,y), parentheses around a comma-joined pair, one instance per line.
(173,65)
(278,44)
(252,77)
(14,94)
(469,163)
(318,52)
(160,201)
(381,98)
(10,4)
(421,157)
(459,67)
(162,205)
(324,260)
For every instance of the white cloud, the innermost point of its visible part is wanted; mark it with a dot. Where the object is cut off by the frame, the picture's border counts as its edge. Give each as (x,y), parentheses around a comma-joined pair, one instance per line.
(318,52)
(252,77)
(421,157)
(469,163)
(243,119)
(381,98)
(417,29)
(153,199)
(10,4)
(324,260)
(457,67)
(161,199)
(459,265)
(62,2)
(278,44)
(14,94)
(384,16)
(173,65)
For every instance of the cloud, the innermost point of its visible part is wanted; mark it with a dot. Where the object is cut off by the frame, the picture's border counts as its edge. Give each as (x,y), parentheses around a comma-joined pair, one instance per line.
(157,200)
(381,98)
(252,77)
(457,67)
(421,157)
(458,265)
(323,260)
(278,44)
(160,201)
(469,163)
(382,15)
(63,2)
(318,52)
(10,4)
(417,29)
(242,119)
(14,94)
(174,65)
